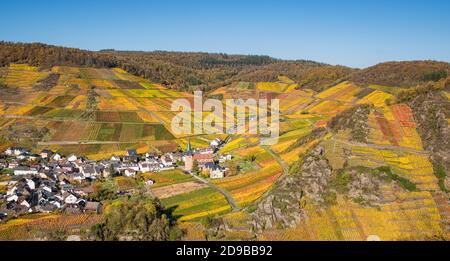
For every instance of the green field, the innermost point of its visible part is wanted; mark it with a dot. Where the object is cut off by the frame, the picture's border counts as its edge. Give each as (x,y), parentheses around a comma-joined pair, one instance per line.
(197,204)
(168,177)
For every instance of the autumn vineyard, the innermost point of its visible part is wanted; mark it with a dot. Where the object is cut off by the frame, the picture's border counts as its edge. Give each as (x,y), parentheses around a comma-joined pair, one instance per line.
(359,156)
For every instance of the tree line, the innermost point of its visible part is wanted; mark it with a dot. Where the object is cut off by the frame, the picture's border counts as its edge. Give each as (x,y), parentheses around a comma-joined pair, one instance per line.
(188,71)
(184,71)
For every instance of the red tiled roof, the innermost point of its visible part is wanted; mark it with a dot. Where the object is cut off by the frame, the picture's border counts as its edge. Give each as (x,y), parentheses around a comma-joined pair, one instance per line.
(202,156)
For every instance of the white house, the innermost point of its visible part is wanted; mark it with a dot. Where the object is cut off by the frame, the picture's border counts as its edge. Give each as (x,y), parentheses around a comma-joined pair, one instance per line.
(70,199)
(47,188)
(57,157)
(13,164)
(130,173)
(226,157)
(132,166)
(145,166)
(216,142)
(115,158)
(216,174)
(12,198)
(215,171)
(15,151)
(72,158)
(31,184)
(167,160)
(21,156)
(25,171)
(11,191)
(9,151)
(25,203)
(33,157)
(56,204)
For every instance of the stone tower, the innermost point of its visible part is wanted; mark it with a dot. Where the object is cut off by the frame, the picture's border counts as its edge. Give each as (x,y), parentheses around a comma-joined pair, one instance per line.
(188,162)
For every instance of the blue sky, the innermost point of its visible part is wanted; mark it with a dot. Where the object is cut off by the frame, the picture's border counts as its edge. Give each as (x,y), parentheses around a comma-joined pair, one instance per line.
(353,33)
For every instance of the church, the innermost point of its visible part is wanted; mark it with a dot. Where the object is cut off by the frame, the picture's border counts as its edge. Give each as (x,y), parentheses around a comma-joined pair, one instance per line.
(204,158)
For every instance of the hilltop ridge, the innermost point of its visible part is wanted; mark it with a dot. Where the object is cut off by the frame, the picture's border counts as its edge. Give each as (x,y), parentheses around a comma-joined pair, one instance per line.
(187,71)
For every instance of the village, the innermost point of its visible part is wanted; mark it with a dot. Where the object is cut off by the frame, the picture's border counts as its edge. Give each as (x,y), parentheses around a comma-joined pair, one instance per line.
(49,181)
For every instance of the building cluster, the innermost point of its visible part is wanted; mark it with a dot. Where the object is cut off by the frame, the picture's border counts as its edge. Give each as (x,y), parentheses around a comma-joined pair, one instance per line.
(49,181)
(36,194)
(49,164)
(206,159)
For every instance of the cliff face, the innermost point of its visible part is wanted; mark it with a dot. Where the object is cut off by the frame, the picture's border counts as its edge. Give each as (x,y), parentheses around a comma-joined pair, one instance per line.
(284,206)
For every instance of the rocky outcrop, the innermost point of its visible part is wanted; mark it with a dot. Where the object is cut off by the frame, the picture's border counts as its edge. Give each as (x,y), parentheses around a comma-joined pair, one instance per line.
(431,110)
(364,188)
(283,207)
(354,119)
(315,175)
(47,83)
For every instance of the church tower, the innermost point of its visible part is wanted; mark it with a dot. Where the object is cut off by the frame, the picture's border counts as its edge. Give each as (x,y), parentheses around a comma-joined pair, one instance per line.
(188,147)
(188,161)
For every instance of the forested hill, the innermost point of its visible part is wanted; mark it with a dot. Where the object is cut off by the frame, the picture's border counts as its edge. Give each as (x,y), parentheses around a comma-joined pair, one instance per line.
(403,74)
(188,71)
(178,70)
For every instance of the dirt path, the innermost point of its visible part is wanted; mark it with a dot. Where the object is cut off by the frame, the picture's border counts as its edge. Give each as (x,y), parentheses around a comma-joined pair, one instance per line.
(11,116)
(283,165)
(382,147)
(225,193)
(48,143)
(280,161)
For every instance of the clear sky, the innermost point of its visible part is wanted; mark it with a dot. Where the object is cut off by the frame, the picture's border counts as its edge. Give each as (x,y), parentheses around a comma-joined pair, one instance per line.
(353,33)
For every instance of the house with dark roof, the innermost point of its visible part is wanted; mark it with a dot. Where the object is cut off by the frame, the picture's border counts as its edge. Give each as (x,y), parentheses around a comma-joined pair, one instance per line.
(132,153)
(215,171)
(88,171)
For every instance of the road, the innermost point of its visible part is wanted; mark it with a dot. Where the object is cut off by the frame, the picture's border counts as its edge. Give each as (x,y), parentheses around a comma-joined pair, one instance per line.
(225,193)
(283,165)
(382,147)
(48,143)
(10,116)
(280,161)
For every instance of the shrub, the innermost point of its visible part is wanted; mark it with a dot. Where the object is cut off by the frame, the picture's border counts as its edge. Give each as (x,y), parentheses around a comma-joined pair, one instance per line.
(341,181)
(434,76)
(103,193)
(6,172)
(404,183)
(138,218)
(439,172)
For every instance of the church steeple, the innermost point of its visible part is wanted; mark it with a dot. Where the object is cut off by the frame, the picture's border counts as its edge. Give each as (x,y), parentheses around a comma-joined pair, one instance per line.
(188,148)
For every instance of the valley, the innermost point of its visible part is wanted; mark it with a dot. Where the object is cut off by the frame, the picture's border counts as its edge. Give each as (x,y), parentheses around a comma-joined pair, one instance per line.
(351,162)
